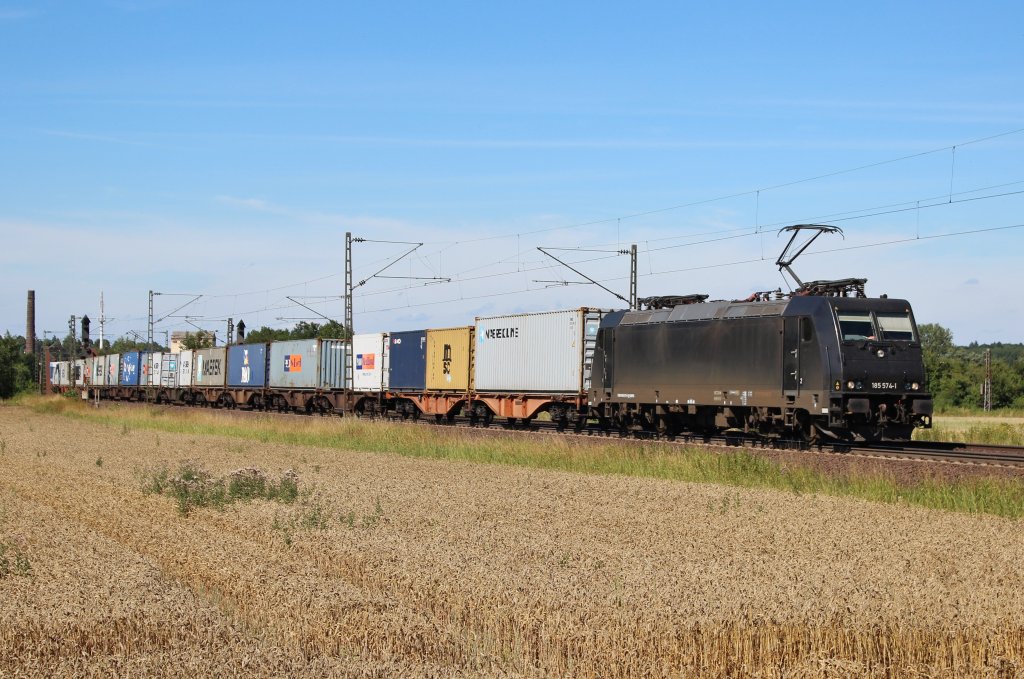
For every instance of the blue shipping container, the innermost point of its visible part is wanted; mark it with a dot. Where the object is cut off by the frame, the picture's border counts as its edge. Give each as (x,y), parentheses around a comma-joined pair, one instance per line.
(247,365)
(408,361)
(129,369)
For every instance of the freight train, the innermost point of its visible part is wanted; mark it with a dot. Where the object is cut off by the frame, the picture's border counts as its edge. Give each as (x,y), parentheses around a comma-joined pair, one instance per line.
(825,363)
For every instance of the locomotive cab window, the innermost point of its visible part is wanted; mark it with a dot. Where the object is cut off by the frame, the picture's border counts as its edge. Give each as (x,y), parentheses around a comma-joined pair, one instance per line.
(806,329)
(896,326)
(856,325)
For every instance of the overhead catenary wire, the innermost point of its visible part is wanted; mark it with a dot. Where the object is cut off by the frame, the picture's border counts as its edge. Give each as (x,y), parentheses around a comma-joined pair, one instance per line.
(949,198)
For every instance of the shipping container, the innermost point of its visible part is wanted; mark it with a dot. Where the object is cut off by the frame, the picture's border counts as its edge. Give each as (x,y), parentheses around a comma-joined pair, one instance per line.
(144,371)
(149,368)
(97,370)
(549,352)
(210,367)
(185,372)
(59,373)
(128,371)
(294,364)
(371,362)
(450,359)
(407,362)
(307,364)
(156,367)
(247,365)
(169,371)
(332,363)
(80,366)
(113,370)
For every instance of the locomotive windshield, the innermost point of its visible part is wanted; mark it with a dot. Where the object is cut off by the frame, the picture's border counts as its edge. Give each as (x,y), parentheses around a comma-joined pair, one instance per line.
(856,325)
(888,326)
(895,326)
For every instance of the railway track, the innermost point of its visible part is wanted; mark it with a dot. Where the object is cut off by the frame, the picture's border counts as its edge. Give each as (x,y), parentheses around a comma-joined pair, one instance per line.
(933,451)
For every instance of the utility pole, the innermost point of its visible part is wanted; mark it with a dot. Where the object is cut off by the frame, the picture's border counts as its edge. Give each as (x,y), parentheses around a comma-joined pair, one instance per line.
(149,336)
(30,323)
(986,389)
(103,321)
(349,358)
(632,276)
(231,332)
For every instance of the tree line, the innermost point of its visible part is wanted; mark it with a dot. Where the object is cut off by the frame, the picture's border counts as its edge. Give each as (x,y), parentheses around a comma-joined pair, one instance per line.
(956,373)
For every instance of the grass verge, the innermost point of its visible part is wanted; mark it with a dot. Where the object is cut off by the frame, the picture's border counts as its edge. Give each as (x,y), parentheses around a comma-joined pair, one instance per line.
(999,433)
(1002,497)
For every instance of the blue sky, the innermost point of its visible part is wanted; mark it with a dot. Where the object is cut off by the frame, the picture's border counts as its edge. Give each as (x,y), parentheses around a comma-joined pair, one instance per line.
(224,149)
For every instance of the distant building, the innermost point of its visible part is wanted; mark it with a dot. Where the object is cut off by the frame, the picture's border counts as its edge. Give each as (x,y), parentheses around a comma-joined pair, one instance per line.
(177,337)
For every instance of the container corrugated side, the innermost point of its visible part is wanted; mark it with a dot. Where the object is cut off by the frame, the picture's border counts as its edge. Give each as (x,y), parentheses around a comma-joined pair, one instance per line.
(113,370)
(332,363)
(129,369)
(247,366)
(407,363)
(150,367)
(535,353)
(370,366)
(145,358)
(450,359)
(186,369)
(59,371)
(169,371)
(211,367)
(95,371)
(294,364)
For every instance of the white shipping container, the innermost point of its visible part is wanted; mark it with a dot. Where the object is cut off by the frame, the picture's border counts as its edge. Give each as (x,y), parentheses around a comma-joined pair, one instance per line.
(59,373)
(158,365)
(185,368)
(168,374)
(370,366)
(80,372)
(548,352)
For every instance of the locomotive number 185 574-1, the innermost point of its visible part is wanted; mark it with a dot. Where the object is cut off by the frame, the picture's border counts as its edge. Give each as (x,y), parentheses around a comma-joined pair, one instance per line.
(883,385)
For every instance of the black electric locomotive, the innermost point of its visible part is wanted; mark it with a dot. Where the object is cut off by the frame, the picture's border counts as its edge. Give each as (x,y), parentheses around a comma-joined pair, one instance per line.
(810,365)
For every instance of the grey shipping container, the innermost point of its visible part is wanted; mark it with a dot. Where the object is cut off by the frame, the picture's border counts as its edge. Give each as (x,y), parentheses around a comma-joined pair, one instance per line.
(408,361)
(113,370)
(332,363)
(307,364)
(211,367)
(97,370)
(549,352)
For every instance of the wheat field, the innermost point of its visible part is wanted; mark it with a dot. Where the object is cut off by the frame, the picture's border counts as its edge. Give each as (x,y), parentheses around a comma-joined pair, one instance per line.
(392,566)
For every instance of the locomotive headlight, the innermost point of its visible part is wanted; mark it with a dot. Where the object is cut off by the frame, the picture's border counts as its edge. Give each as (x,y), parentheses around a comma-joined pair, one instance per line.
(881,353)
(915,386)
(851,385)
(860,385)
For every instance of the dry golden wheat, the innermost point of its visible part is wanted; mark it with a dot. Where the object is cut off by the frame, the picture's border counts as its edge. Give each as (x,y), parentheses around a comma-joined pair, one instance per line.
(390,566)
